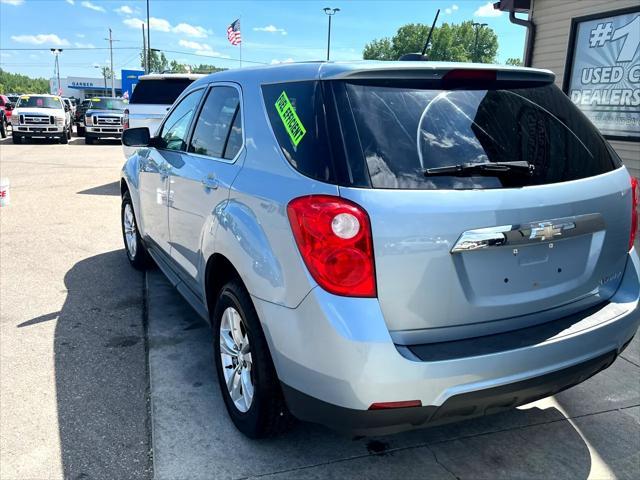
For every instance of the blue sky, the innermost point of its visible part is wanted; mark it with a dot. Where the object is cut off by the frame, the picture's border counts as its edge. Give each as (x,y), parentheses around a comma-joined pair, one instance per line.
(272,31)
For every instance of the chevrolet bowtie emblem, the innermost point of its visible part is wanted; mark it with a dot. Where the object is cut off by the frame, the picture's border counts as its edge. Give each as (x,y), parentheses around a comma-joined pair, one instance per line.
(547,230)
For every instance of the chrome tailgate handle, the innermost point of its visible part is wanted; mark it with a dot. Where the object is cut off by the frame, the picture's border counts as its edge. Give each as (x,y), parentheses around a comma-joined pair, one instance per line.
(530,233)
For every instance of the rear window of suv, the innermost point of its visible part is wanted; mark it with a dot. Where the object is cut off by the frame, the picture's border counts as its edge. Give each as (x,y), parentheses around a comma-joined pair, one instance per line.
(395,131)
(160,91)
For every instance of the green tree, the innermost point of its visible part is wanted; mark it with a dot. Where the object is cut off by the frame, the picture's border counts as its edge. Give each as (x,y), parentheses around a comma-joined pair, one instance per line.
(158,62)
(16,83)
(449,42)
(176,67)
(204,68)
(514,61)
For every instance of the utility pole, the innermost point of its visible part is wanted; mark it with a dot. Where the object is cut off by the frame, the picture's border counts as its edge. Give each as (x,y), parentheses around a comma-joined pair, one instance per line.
(56,52)
(330,12)
(145,63)
(113,87)
(477,27)
(148,40)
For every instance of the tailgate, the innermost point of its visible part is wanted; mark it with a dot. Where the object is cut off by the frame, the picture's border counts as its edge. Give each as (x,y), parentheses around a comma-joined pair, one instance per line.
(456,263)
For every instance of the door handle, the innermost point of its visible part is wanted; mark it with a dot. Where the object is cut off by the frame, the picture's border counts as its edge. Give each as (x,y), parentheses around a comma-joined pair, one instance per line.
(210,182)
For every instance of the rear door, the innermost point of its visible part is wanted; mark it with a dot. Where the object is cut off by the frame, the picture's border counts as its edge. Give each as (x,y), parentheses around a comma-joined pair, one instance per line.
(476,253)
(202,180)
(156,164)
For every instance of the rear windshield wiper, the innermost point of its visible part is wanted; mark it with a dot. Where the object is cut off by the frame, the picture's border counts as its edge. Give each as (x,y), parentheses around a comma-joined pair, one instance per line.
(486,168)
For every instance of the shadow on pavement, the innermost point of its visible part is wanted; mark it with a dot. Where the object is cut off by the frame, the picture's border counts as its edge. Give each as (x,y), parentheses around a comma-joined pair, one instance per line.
(100,369)
(194,438)
(112,188)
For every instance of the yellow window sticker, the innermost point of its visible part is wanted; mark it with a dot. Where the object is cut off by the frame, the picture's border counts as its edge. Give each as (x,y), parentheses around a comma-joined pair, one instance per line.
(290,119)
(95,99)
(24,97)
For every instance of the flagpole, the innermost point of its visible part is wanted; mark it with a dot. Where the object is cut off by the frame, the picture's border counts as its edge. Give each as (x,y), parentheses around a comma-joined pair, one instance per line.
(240,54)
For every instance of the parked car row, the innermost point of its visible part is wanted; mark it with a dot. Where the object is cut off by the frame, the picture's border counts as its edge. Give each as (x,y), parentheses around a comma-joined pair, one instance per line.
(51,116)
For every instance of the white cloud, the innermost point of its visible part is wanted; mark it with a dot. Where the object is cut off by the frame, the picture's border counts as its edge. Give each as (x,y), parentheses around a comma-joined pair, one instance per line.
(190,30)
(451,9)
(12,2)
(270,29)
(124,10)
(133,23)
(80,35)
(40,39)
(84,45)
(71,2)
(159,24)
(487,10)
(193,45)
(92,6)
(275,61)
(162,25)
(201,49)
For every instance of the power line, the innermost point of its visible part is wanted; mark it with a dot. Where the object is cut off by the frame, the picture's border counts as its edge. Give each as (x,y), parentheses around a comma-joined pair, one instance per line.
(138,48)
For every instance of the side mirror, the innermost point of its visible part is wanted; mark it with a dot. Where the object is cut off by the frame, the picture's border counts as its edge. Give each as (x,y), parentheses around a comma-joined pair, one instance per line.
(136,137)
(9,107)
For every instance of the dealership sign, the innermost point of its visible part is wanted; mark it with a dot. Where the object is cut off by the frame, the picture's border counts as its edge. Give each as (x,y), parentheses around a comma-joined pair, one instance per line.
(603,77)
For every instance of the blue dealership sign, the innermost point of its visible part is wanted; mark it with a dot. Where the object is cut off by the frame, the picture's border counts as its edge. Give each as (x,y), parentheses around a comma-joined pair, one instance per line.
(129,81)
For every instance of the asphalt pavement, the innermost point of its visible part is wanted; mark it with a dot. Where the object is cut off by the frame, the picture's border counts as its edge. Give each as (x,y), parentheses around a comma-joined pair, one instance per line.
(73,379)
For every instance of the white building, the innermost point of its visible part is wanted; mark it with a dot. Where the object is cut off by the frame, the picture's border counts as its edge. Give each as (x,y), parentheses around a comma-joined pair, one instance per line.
(85,87)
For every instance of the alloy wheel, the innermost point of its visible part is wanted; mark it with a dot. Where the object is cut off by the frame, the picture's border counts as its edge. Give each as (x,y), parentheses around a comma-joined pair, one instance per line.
(130,231)
(235,353)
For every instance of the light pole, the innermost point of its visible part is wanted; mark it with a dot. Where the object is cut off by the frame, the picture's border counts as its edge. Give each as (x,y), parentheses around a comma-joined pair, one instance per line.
(477,27)
(56,52)
(330,12)
(111,40)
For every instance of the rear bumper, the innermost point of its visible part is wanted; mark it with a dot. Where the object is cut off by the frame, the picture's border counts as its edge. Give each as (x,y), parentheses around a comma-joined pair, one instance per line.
(459,407)
(335,354)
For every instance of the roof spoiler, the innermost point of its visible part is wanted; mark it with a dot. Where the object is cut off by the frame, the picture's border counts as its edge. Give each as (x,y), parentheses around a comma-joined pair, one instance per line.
(456,74)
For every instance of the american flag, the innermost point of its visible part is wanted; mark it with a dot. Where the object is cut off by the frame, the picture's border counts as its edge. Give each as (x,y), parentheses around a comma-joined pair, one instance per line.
(233,33)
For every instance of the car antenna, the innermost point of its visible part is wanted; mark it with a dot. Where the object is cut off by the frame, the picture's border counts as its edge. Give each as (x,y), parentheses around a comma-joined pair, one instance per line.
(422,56)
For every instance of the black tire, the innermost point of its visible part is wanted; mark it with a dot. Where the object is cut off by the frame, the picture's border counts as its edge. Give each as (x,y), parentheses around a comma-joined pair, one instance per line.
(80,131)
(64,139)
(17,139)
(70,132)
(88,140)
(3,128)
(268,414)
(141,260)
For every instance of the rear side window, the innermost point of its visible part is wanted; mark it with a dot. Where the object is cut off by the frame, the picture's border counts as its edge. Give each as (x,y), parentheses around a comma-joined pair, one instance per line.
(303,136)
(214,135)
(402,131)
(159,92)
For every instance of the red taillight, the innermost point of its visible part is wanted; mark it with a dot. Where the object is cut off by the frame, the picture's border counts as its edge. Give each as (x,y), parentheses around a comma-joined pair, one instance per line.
(334,239)
(634,211)
(387,405)
(125,119)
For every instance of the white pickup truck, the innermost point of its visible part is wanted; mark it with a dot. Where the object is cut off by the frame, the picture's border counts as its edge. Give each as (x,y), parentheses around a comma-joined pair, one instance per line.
(41,116)
(152,98)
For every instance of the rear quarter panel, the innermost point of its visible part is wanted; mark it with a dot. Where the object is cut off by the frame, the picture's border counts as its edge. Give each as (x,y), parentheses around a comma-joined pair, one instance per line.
(252,227)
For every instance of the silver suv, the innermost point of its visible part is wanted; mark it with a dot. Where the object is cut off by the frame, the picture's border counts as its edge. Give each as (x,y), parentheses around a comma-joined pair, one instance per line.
(381,246)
